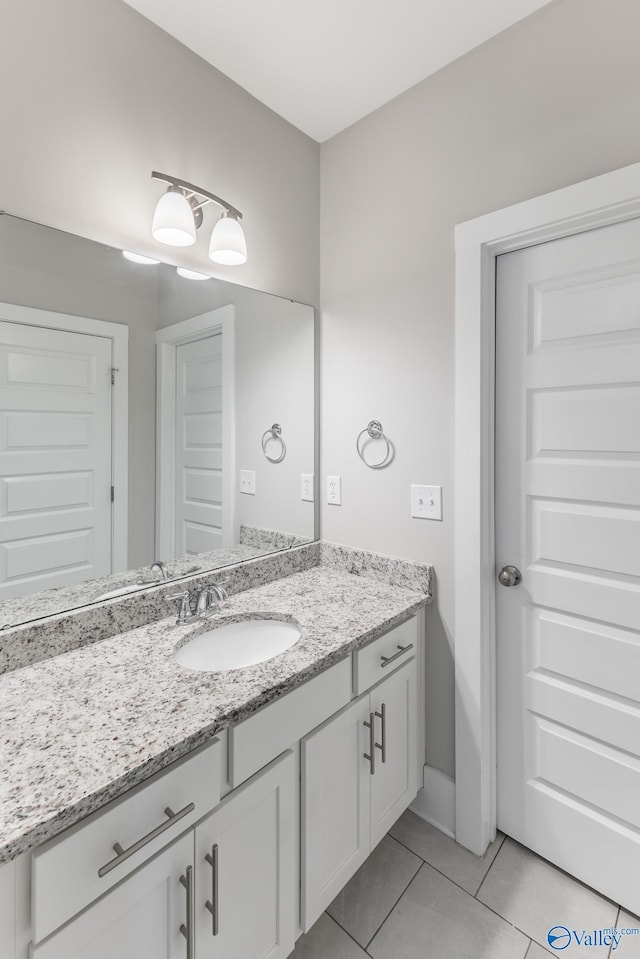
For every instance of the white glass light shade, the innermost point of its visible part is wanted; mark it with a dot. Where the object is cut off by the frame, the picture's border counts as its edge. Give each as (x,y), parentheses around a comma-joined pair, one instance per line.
(173,221)
(228,245)
(191,274)
(139,258)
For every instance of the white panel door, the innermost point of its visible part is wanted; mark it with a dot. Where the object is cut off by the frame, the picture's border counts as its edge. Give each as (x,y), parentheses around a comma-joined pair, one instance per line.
(140,918)
(568,516)
(245,865)
(199,450)
(55,458)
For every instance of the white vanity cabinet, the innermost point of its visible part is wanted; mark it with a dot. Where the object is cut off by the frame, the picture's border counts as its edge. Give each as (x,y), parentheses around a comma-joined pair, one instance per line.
(245,870)
(359,772)
(141,918)
(172,871)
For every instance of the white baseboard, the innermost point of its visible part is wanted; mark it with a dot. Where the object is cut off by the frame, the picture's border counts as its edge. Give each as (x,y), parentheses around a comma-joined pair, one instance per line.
(436,801)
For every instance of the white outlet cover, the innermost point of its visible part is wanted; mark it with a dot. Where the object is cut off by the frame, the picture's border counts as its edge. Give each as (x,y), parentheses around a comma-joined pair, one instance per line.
(306,487)
(426,502)
(334,490)
(248,482)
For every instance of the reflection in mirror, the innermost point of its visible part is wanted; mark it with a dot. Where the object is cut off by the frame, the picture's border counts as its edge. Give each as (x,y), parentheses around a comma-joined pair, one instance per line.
(137,413)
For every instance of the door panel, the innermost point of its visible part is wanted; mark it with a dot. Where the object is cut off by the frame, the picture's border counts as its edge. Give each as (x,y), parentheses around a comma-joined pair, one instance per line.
(568,515)
(199,451)
(253,885)
(55,458)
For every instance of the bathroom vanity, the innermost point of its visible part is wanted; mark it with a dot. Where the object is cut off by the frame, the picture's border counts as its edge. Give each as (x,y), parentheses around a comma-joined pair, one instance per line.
(158,811)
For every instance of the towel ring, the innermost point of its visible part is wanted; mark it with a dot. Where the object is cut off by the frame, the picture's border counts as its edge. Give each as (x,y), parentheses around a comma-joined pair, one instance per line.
(274,433)
(375,432)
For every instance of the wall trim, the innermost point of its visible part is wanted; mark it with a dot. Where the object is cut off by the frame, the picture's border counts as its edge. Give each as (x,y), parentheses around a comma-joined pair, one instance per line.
(436,801)
(220,320)
(601,201)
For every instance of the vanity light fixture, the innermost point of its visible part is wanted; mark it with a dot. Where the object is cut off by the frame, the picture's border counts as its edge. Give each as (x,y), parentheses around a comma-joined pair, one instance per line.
(191,274)
(139,258)
(178,215)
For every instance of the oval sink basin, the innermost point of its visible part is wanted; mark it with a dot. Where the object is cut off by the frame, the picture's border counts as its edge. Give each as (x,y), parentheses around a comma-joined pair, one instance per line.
(236,645)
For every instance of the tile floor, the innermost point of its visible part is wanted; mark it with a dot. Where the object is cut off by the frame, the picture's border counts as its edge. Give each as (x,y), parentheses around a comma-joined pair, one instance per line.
(421,896)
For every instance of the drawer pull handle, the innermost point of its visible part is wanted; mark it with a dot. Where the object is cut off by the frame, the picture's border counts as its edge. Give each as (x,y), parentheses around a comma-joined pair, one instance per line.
(123,854)
(382,716)
(187,931)
(387,660)
(371,755)
(212,904)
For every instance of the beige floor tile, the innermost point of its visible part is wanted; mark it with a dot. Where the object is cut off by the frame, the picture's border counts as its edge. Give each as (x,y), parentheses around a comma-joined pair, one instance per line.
(629,946)
(536,897)
(435,919)
(326,940)
(445,854)
(367,899)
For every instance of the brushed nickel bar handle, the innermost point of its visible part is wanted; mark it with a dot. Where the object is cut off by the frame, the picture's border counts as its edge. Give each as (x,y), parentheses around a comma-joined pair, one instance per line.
(371,755)
(123,854)
(212,904)
(387,660)
(187,931)
(382,716)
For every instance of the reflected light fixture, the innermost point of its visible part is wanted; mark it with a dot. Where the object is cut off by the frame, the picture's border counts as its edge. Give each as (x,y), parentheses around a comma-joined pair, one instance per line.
(178,215)
(139,258)
(191,274)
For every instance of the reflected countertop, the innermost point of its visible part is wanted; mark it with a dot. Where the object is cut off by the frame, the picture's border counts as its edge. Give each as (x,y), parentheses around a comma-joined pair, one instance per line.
(83,727)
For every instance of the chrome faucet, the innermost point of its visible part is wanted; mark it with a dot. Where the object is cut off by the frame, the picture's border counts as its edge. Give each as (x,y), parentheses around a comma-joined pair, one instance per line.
(208,601)
(184,609)
(159,565)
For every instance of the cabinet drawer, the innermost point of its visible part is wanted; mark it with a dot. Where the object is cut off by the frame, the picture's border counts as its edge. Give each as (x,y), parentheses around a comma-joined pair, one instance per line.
(80,865)
(255,741)
(377,660)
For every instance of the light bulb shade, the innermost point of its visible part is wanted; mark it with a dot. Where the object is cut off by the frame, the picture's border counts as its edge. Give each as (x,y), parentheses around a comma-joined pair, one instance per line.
(228,245)
(188,274)
(173,221)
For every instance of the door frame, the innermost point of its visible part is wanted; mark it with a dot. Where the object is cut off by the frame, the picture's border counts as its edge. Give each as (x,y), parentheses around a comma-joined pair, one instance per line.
(220,320)
(118,333)
(606,199)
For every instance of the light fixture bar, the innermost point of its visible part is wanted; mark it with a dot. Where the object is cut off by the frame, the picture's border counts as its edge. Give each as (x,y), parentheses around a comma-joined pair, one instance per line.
(199,192)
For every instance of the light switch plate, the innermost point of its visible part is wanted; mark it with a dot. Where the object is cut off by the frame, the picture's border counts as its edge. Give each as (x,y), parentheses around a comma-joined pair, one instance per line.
(306,487)
(426,502)
(248,482)
(334,490)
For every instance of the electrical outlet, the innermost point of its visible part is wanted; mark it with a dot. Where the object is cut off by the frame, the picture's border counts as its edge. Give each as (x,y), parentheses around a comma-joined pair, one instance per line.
(306,487)
(426,502)
(248,482)
(334,490)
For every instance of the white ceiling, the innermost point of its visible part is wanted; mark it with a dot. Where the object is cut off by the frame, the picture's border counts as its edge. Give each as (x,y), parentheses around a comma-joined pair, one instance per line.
(324,65)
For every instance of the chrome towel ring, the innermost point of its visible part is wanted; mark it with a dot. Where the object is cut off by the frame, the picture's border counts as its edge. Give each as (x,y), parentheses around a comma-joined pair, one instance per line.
(375,432)
(274,433)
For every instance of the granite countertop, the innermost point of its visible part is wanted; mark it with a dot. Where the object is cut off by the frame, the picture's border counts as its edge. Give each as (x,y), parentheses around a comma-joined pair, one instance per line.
(83,727)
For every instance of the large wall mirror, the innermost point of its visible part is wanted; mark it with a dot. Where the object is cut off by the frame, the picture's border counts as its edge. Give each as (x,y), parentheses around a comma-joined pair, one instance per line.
(151,425)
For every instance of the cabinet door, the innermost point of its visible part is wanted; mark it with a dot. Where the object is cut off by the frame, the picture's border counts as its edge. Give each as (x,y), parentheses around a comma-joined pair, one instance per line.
(335,807)
(395,782)
(245,865)
(138,919)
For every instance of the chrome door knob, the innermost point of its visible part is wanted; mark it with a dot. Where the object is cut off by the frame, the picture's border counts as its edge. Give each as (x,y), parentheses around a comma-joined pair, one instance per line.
(509,576)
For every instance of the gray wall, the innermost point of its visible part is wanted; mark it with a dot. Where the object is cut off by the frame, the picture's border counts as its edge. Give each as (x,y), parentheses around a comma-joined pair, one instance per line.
(93,97)
(554,100)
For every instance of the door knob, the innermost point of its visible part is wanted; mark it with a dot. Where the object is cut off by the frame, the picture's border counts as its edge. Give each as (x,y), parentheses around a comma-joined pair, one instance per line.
(509,576)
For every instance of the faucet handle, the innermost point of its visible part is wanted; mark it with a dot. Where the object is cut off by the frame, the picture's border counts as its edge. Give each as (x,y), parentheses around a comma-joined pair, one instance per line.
(219,588)
(184,609)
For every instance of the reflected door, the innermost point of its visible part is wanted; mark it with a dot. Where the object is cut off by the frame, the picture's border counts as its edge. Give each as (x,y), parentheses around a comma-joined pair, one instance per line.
(55,458)
(199,451)
(568,516)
